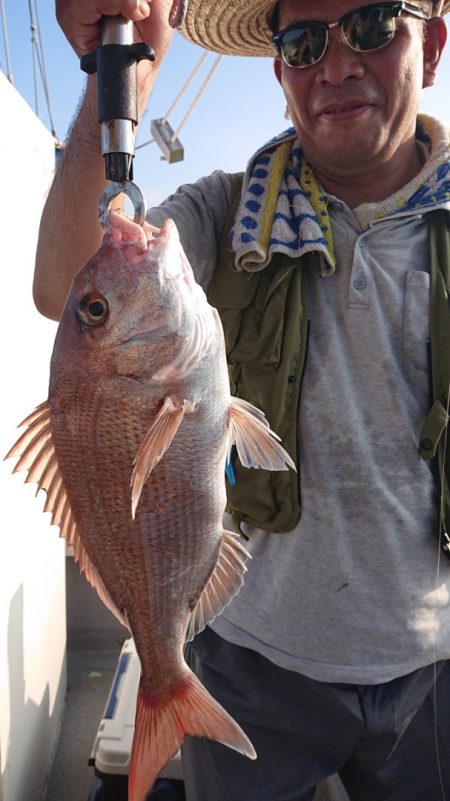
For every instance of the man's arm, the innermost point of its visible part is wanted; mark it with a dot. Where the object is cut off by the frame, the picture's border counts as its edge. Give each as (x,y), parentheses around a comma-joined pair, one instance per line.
(70,233)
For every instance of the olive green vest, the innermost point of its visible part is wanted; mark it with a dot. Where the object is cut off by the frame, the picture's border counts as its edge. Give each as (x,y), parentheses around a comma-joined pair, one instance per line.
(265,322)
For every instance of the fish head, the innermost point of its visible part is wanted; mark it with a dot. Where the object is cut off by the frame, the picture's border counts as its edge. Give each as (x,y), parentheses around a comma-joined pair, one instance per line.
(135,309)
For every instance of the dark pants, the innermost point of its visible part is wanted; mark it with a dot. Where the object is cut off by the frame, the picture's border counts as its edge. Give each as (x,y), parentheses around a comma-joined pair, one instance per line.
(388,742)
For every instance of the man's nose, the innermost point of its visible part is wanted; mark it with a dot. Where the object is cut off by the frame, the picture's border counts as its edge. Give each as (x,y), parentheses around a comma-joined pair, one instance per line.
(340,62)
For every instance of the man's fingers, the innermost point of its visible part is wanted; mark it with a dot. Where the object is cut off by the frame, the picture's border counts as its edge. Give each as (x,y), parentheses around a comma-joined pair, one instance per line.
(80,19)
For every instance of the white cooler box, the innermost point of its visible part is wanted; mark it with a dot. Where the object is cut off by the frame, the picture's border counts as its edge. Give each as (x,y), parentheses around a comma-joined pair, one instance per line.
(110,755)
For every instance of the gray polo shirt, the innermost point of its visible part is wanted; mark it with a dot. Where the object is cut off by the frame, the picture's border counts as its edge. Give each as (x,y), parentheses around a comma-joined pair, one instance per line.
(353,593)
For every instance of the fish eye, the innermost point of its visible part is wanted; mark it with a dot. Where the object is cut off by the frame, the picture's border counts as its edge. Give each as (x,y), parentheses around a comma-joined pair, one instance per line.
(93,309)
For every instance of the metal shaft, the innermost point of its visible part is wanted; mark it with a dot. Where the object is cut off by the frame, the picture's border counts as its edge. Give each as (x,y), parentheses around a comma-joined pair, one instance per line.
(115,63)
(119,79)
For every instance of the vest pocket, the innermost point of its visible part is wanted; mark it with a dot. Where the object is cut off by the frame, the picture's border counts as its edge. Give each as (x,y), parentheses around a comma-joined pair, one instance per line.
(259,339)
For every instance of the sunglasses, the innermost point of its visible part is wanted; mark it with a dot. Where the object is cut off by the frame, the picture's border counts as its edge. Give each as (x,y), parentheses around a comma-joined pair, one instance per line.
(369,28)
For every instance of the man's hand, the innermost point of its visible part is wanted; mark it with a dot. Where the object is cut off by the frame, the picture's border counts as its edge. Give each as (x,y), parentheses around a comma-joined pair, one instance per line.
(80,22)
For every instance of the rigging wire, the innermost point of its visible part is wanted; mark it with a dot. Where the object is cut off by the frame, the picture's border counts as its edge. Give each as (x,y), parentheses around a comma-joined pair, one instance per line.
(35,70)
(181,93)
(6,42)
(186,84)
(38,58)
(197,96)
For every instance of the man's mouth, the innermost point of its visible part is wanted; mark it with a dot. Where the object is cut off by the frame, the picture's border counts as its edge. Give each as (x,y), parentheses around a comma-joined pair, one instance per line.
(336,110)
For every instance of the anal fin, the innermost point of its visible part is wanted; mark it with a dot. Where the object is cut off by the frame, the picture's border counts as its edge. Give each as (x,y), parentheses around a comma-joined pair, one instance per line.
(224,583)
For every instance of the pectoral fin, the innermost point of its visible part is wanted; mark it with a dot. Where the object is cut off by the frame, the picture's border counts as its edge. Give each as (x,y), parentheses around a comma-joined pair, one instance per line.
(256,443)
(36,451)
(156,442)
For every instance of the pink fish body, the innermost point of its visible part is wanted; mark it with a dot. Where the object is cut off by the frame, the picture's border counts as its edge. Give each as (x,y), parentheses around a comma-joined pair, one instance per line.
(131,449)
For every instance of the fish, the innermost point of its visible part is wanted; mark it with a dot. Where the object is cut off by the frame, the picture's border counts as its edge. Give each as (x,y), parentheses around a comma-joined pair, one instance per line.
(130,448)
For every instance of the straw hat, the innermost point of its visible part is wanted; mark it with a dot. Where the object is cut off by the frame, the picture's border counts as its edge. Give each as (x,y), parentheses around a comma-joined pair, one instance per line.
(236,27)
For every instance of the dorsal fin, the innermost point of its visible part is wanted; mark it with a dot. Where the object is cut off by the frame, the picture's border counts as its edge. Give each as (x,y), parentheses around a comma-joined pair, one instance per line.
(225,581)
(36,451)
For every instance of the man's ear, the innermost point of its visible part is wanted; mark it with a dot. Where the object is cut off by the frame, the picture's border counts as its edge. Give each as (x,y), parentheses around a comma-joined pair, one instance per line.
(433,46)
(277,68)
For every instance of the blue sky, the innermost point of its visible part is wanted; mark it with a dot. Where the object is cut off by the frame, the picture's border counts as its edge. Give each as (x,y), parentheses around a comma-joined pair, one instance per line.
(240,109)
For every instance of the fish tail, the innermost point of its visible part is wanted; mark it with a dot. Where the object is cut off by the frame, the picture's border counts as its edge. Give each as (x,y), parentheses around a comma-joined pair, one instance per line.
(161,726)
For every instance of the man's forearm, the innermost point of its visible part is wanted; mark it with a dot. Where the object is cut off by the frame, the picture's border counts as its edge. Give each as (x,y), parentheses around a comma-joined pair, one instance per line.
(70,231)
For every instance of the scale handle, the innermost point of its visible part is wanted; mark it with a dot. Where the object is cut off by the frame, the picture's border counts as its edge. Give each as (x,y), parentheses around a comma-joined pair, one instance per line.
(115,64)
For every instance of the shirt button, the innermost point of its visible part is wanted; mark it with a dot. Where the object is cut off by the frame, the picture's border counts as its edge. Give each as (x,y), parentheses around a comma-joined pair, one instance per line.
(360,283)
(362,243)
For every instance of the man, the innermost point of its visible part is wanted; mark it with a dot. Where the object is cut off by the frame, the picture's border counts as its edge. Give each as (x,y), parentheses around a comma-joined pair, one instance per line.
(334,655)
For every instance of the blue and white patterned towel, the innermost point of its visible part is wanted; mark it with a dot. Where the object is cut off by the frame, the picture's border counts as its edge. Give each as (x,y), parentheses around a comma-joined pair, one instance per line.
(284,209)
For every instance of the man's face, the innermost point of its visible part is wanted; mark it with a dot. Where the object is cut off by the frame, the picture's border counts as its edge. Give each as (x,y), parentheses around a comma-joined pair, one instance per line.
(353,110)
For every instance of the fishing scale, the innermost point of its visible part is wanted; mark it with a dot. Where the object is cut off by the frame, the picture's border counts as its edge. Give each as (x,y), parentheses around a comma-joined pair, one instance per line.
(115,63)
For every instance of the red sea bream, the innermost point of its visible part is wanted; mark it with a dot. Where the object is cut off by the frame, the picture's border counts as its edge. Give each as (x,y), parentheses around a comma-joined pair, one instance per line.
(130,448)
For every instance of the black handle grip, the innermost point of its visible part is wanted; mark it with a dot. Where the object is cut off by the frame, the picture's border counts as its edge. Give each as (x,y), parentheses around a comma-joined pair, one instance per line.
(116,78)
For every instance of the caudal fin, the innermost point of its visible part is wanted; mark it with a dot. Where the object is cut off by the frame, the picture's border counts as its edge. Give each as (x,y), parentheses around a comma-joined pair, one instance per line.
(161,726)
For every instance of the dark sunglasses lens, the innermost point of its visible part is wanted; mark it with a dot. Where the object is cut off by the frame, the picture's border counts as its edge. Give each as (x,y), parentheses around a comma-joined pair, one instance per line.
(369,29)
(304,45)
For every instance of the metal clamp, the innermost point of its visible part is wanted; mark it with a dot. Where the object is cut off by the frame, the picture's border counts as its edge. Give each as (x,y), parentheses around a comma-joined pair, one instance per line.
(129,189)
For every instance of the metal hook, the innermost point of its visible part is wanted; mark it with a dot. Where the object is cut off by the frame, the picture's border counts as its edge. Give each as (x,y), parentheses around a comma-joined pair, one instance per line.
(130,190)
